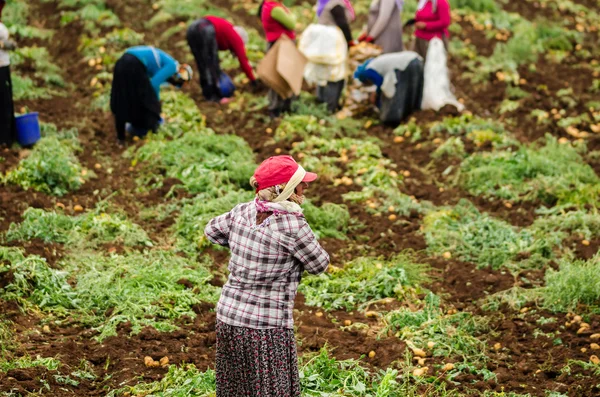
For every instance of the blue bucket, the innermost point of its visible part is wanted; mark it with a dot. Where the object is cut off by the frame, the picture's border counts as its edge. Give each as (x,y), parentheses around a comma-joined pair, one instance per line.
(226,86)
(28,129)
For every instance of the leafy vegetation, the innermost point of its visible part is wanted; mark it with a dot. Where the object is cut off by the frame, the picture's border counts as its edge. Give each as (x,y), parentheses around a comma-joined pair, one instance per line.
(362,280)
(52,168)
(93,228)
(465,233)
(553,174)
(140,288)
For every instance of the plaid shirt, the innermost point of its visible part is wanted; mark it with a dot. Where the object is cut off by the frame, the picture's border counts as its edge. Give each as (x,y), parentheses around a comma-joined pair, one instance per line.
(266,265)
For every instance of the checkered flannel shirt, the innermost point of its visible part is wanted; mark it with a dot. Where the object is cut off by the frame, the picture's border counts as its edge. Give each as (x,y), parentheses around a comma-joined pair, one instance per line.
(266,265)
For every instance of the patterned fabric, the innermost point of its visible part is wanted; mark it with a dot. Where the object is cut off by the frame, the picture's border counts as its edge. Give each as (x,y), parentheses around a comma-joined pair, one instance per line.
(266,265)
(253,362)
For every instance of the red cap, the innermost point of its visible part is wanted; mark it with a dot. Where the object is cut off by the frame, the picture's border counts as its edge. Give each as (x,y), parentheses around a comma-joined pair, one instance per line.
(278,170)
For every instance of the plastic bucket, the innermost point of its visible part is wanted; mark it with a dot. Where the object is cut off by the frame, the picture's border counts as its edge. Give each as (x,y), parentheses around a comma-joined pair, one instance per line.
(28,129)
(226,86)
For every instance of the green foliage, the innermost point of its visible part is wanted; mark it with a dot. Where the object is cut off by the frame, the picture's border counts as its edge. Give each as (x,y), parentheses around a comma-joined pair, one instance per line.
(52,168)
(324,375)
(363,279)
(584,223)
(40,78)
(24,362)
(89,229)
(204,161)
(140,288)
(452,148)
(475,5)
(328,220)
(94,14)
(196,213)
(15,17)
(472,236)
(169,10)
(576,282)
(466,124)
(181,381)
(553,174)
(527,42)
(308,125)
(453,334)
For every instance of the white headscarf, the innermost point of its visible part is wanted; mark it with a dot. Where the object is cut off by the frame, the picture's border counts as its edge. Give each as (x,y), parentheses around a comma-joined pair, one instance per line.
(422,4)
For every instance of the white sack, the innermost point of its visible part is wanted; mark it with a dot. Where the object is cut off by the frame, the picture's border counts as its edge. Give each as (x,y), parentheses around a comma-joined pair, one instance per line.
(437,92)
(327,52)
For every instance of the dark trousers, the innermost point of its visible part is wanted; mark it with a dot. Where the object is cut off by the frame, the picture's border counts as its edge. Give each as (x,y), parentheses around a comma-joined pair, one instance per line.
(202,39)
(331,94)
(8,131)
(132,98)
(408,96)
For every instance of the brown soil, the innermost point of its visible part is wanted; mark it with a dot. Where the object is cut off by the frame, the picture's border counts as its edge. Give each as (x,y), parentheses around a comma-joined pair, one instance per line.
(121,358)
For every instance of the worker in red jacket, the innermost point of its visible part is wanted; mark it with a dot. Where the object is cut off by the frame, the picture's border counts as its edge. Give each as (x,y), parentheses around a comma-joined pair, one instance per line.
(432,20)
(206,37)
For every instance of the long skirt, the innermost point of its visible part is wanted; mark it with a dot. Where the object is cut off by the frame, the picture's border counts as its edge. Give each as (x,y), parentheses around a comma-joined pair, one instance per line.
(8,131)
(420,46)
(252,362)
(202,39)
(331,94)
(408,97)
(277,104)
(132,98)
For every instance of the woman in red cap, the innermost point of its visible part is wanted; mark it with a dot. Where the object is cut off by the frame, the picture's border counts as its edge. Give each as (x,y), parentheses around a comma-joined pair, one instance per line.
(7,110)
(271,246)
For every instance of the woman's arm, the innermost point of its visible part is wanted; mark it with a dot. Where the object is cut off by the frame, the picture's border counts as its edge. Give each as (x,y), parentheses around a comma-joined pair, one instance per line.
(239,49)
(283,17)
(168,69)
(386,8)
(217,230)
(309,252)
(339,16)
(443,11)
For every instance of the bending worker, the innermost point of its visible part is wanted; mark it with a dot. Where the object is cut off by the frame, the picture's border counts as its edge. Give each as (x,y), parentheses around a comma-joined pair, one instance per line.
(7,109)
(206,37)
(135,95)
(277,21)
(399,79)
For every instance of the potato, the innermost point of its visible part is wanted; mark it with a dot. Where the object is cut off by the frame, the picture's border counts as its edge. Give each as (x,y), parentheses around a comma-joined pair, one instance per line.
(595,360)
(448,367)
(148,361)
(420,371)
(371,314)
(98,166)
(347,323)
(60,205)
(419,352)
(447,255)
(319,314)
(164,361)
(372,354)
(497,346)
(398,139)
(78,208)
(430,345)
(392,217)
(594,346)
(595,337)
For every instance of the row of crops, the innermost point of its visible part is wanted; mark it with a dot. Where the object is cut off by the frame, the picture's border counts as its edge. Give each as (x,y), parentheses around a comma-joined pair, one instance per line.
(125,230)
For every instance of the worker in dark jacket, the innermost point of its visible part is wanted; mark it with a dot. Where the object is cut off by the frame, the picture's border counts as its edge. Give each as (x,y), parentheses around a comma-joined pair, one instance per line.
(135,95)
(206,37)
(7,110)
(399,79)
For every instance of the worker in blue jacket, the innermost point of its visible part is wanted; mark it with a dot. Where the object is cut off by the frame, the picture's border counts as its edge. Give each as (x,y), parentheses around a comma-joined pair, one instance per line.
(135,95)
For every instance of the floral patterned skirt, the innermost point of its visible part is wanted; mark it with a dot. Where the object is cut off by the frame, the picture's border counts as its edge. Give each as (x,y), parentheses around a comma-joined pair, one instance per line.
(256,362)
